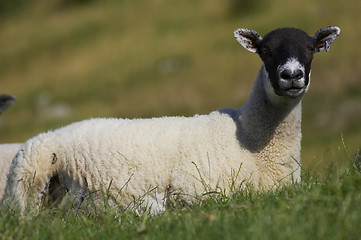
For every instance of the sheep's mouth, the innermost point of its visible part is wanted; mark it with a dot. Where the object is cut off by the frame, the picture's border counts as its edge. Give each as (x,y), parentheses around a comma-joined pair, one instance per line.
(294,92)
(291,92)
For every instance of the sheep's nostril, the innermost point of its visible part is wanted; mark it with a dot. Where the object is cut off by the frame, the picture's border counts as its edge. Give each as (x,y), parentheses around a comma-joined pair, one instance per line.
(288,75)
(298,74)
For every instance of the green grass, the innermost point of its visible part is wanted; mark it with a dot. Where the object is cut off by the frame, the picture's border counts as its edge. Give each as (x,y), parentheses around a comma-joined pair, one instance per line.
(323,207)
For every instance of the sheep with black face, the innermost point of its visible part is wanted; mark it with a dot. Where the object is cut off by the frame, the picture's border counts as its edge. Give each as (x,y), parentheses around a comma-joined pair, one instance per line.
(257,144)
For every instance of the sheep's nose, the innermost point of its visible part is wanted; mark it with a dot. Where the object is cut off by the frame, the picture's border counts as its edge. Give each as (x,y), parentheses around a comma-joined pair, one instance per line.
(291,75)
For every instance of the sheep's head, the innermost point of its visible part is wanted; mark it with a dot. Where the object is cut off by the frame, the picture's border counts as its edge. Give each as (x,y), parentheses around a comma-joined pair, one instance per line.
(5,101)
(287,55)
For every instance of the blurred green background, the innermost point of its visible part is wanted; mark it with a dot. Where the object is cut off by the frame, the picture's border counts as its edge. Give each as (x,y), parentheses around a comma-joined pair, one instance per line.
(67,61)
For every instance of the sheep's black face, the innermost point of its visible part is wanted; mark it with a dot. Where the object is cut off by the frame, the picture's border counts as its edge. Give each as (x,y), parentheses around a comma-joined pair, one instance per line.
(287,54)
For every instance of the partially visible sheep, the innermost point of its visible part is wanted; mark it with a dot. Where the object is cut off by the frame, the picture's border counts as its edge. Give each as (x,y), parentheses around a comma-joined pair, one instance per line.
(7,151)
(5,101)
(257,144)
(61,183)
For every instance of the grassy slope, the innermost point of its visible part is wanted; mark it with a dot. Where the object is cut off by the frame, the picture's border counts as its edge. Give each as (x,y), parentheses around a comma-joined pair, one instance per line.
(317,208)
(154,58)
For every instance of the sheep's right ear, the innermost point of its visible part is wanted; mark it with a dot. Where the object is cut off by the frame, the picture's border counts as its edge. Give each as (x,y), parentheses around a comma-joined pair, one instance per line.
(324,37)
(248,38)
(5,101)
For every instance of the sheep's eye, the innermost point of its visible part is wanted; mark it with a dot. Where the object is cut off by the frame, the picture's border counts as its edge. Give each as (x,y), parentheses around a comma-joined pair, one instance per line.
(311,48)
(264,50)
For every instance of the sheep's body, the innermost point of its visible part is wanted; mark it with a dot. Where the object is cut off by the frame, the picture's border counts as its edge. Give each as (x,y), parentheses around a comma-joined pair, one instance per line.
(174,155)
(7,153)
(257,144)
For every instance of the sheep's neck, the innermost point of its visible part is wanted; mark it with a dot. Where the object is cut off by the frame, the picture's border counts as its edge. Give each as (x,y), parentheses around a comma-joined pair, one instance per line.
(263,123)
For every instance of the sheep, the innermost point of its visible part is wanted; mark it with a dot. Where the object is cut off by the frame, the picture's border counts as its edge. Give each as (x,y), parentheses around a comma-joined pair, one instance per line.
(5,101)
(7,151)
(257,145)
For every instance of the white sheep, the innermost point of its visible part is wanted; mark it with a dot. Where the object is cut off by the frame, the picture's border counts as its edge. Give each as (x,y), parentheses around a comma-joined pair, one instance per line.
(7,151)
(151,159)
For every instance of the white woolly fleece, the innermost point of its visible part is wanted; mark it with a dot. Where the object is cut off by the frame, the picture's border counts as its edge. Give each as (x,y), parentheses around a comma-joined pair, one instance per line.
(187,156)
(7,153)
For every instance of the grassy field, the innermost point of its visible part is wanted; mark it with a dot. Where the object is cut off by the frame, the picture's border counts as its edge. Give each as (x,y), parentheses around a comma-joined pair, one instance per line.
(67,61)
(326,207)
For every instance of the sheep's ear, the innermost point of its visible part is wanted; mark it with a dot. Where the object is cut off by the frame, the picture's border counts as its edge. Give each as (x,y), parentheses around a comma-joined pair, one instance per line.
(248,38)
(5,101)
(324,37)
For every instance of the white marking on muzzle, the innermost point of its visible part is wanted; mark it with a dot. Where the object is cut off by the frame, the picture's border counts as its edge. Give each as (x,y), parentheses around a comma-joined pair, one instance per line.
(292,65)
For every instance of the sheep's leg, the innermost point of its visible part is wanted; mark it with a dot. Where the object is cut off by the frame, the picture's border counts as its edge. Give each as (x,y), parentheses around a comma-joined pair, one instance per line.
(28,190)
(28,182)
(155,203)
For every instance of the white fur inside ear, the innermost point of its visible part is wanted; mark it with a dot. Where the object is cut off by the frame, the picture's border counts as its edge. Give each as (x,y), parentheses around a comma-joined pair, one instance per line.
(247,38)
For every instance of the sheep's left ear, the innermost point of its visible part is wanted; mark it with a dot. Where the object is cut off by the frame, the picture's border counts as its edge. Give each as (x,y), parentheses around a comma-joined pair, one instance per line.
(248,38)
(324,37)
